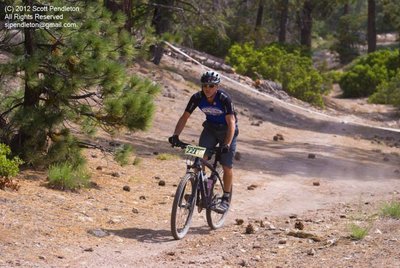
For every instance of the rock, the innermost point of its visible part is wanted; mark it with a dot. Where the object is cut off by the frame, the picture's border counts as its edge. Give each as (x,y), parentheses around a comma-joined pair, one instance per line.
(278,137)
(157,178)
(293,216)
(282,241)
(251,187)
(312,156)
(169,95)
(342,216)
(126,188)
(305,235)
(238,156)
(142,197)
(269,226)
(88,250)
(135,210)
(331,242)
(42,257)
(239,221)
(299,225)
(311,252)
(93,155)
(98,232)
(177,77)
(99,168)
(161,183)
(315,183)
(116,174)
(243,263)
(114,144)
(250,229)
(115,220)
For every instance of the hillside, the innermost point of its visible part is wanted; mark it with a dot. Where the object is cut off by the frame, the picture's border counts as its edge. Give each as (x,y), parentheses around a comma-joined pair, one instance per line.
(326,173)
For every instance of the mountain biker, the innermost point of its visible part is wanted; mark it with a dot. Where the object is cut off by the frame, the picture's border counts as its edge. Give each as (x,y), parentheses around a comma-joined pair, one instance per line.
(220,127)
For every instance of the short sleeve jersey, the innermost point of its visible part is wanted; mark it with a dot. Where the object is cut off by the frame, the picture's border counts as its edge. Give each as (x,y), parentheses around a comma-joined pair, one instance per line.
(215,112)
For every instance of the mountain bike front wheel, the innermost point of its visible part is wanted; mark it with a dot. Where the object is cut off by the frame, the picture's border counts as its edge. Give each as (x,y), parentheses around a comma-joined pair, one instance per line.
(214,219)
(183,206)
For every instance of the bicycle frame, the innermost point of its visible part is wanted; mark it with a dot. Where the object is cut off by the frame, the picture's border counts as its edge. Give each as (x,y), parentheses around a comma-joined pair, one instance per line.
(193,188)
(200,184)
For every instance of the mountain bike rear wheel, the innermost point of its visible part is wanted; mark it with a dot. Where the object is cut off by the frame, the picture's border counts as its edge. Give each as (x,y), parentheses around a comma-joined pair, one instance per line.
(183,206)
(214,219)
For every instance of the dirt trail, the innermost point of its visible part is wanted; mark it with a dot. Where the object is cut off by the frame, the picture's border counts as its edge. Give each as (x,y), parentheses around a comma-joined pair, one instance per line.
(355,167)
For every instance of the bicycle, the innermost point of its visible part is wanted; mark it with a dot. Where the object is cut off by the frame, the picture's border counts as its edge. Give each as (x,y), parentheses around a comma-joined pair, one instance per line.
(195,188)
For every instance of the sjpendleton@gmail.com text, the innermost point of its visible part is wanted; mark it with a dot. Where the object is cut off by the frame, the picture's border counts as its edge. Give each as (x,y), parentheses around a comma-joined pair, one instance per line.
(43,16)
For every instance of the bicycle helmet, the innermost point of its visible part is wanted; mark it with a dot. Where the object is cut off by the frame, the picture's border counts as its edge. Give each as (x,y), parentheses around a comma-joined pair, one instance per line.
(210,77)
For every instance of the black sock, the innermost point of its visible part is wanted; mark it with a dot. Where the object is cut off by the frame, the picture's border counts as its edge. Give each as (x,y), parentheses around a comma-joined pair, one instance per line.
(226,195)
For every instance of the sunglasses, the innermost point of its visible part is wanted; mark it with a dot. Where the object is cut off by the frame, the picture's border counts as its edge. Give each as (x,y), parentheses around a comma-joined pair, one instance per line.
(209,85)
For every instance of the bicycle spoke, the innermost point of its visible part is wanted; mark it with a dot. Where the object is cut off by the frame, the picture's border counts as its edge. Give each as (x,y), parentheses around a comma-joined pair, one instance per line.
(183,207)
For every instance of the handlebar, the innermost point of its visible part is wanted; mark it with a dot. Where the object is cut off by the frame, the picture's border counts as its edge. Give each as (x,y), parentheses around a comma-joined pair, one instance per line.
(183,145)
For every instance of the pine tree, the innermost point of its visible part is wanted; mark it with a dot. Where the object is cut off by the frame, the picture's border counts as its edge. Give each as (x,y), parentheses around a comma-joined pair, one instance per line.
(72,74)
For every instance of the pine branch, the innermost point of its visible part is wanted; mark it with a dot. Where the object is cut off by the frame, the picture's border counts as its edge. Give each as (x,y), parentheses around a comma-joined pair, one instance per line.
(196,10)
(166,6)
(88,145)
(88,95)
(12,108)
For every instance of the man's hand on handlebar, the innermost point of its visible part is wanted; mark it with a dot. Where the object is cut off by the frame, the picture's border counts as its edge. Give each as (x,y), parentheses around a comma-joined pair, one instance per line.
(174,140)
(225,148)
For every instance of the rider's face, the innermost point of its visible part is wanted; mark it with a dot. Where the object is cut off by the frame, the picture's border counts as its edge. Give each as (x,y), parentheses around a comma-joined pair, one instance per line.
(209,90)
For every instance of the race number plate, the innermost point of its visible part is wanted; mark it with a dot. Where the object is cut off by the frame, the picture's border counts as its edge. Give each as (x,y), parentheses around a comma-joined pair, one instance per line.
(196,151)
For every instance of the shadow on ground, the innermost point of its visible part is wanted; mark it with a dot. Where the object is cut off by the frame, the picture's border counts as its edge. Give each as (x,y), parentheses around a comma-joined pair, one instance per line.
(154,236)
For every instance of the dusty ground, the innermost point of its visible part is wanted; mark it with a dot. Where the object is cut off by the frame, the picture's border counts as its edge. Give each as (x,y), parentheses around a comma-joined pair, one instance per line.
(327,173)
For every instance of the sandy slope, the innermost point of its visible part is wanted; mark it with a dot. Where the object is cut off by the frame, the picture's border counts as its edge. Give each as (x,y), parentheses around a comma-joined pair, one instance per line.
(357,167)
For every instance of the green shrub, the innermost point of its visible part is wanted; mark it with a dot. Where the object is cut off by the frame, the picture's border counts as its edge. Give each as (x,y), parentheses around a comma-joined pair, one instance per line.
(348,37)
(284,64)
(391,209)
(123,153)
(357,232)
(8,167)
(137,161)
(210,41)
(334,76)
(65,148)
(65,176)
(368,72)
(387,92)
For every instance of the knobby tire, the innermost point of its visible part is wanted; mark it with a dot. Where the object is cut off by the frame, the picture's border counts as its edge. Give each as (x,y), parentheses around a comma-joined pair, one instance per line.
(216,220)
(184,203)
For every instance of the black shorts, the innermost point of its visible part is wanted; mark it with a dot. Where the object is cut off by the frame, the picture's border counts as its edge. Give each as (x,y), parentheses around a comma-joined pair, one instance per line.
(214,134)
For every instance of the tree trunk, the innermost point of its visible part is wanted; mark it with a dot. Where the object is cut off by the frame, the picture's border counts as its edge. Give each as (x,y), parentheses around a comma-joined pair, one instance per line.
(346,9)
(31,94)
(371,32)
(258,36)
(127,6)
(305,23)
(260,13)
(283,21)
(162,18)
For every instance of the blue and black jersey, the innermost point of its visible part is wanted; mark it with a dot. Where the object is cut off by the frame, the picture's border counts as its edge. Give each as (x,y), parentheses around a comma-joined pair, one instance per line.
(216,111)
